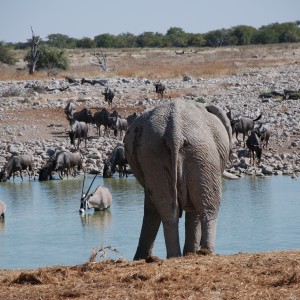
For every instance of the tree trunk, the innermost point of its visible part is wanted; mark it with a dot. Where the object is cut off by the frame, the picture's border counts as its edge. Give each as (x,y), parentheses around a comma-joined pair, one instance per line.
(34,52)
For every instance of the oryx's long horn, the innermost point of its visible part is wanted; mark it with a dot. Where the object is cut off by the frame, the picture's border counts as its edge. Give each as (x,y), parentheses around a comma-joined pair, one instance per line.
(92,183)
(82,185)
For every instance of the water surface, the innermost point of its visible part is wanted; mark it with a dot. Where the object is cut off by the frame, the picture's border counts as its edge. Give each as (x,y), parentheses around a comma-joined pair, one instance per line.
(43,227)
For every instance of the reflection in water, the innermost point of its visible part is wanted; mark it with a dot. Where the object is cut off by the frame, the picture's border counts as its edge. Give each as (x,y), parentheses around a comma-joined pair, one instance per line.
(97,218)
(2,224)
(43,226)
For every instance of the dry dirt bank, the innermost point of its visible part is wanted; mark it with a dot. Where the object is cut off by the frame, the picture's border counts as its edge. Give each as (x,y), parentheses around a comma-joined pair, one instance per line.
(242,276)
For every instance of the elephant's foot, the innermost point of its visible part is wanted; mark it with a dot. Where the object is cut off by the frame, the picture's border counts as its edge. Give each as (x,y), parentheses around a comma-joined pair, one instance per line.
(142,254)
(204,251)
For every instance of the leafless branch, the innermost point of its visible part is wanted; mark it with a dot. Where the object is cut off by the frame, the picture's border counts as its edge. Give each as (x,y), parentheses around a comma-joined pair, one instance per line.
(34,52)
(102,61)
(102,252)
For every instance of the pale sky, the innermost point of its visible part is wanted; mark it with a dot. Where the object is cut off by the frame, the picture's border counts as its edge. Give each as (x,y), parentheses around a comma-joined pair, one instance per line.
(89,18)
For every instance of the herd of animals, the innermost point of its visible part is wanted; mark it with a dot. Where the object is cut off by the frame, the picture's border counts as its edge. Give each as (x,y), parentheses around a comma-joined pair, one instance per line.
(179,169)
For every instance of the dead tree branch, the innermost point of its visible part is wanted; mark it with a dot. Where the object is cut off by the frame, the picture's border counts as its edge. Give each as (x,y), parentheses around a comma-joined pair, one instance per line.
(102,61)
(34,52)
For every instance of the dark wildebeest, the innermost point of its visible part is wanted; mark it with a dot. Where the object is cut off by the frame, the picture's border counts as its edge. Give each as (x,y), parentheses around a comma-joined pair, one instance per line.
(160,89)
(131,118)
(103,117)
(255,147)
(2,210)
(109,95)
(100,199)
(17,163)
(70,109)
(85,115)
(117,158)
(242,125)
(45,172)
(119,125)
(78,130)
(65,161)
(264,132)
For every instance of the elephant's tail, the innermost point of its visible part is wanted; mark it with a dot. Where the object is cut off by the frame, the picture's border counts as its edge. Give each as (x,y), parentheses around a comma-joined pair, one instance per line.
(174,148)
(174,155)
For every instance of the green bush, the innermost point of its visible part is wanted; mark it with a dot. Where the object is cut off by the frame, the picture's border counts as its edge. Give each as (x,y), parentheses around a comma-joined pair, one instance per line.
(200,100)
(6,56)
(49,58)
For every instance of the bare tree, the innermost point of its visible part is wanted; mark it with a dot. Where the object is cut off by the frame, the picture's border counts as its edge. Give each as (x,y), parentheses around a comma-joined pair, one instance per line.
(102,59)
(34,52)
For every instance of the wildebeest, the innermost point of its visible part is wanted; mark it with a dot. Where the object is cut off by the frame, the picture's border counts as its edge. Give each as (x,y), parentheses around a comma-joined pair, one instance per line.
(2,210)
(119,125)
(255,147)
(17,163)
(109,95)
(116,158)
(66,161)
(160,88)
(85,115)
(79,130)
(242,125)
(102,118)
(264,132)
(100,199)
(45,172)
(70,109)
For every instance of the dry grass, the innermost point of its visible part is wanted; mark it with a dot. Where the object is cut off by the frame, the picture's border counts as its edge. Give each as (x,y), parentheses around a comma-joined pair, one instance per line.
(242,276)
(164,63)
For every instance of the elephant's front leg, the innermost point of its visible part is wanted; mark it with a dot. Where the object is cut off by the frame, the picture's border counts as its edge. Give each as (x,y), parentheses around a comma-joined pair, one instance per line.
(151,223)
(192,233)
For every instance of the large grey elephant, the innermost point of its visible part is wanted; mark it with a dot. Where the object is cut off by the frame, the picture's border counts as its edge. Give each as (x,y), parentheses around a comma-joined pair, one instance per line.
(178,151)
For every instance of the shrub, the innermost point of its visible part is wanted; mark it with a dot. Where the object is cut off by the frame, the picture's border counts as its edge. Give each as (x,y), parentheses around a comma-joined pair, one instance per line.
(200,100)
(49,58)
(6,56)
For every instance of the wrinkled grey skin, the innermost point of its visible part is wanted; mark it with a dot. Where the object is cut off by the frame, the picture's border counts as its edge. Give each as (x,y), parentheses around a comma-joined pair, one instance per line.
(178,152)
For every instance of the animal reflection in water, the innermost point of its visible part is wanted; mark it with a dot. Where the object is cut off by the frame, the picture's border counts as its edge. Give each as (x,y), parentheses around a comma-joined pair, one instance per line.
(100,199)
(2,211)
(99,219)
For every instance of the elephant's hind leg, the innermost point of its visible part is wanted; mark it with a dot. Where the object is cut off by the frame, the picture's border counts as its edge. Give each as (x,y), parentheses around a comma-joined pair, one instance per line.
(171,234)
(209,229)
(192,233)
(151,223)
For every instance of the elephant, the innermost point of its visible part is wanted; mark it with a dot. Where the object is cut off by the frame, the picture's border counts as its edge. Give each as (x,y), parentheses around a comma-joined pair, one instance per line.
(177,152)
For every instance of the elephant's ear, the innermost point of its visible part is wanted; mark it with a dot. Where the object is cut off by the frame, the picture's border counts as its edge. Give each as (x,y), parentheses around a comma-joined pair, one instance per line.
(220,113)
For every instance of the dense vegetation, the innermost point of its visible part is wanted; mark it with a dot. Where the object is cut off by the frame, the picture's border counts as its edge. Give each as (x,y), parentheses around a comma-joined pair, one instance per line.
(288,32)
(49,58)
(6,55)
(52,56)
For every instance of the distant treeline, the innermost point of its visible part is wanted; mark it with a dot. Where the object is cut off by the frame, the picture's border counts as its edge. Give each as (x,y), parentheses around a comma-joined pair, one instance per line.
(288,32)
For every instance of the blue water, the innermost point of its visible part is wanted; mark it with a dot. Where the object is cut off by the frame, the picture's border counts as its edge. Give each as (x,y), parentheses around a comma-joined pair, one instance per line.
(43,227)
